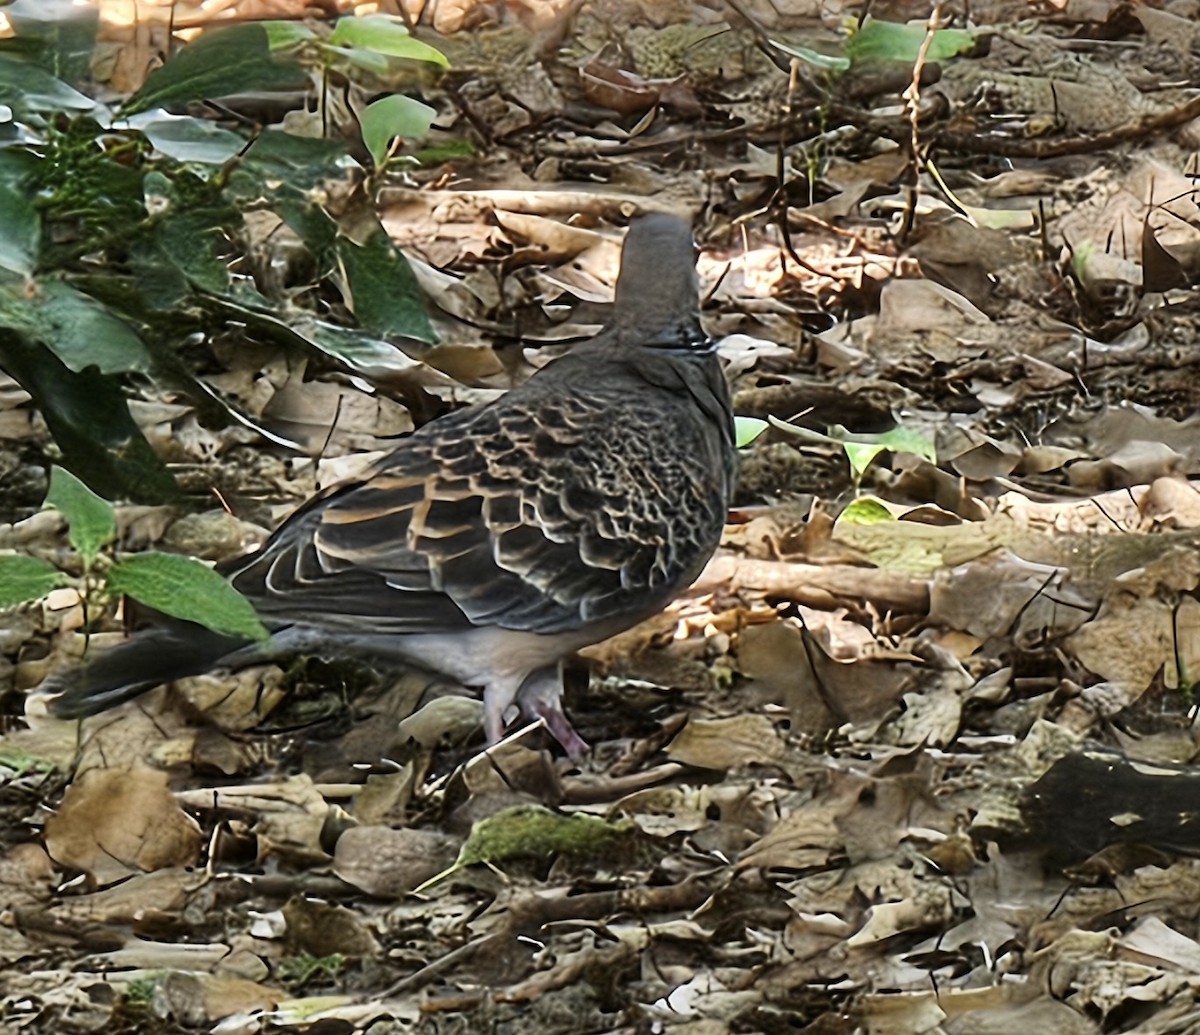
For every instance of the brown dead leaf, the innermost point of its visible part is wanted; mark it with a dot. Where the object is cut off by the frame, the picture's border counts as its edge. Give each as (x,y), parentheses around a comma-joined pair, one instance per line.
(198,999)
(929,909)
(1130,642)
(114,822)
(292,813)
(323,929)
(610,87)
(720,744)
(26,875)
(389,863)
(1153,943)
(142,897)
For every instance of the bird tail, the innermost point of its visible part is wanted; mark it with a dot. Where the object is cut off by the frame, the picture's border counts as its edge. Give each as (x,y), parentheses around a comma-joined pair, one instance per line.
(152,657)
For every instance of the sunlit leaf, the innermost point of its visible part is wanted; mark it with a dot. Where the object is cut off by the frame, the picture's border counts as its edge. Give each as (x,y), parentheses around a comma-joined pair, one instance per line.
(188,139)
(878,40)
(747,429)
(390,117)
(825,62)
(866,510)
(384,35)
(24,578)
(90,518)
(184,588)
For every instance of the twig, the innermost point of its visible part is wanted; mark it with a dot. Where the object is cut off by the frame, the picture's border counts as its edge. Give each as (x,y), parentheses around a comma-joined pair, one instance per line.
(1133,129)
(912,100)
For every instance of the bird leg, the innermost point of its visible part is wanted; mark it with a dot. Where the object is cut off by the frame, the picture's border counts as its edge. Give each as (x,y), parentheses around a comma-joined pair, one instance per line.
(540,697)
(497,699)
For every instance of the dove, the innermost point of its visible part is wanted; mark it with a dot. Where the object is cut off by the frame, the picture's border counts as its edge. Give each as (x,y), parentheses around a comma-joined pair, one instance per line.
(498,539)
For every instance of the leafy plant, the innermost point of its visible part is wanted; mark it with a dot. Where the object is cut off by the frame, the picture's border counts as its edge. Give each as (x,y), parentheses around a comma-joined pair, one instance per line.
(876,41)
(304,969)
(862,450)
(170,583)
(124,234)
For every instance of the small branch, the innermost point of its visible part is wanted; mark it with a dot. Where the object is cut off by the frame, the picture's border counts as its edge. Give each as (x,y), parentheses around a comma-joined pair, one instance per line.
(1133,129)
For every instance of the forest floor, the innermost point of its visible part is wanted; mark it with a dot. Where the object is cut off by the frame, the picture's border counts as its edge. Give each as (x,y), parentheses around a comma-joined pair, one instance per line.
(915,754)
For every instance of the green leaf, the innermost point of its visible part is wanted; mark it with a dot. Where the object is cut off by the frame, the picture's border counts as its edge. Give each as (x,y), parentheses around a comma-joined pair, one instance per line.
(390,117)
(78,329)
(24,578)
(90,518)
(188,139)
(278,158)
(20,762)
(384,35)
(360,353)
(364,60)
(866,510)
(184,588)
(444,151)
(63,31)
(27,88)
(747,429)
(20,229)
(284,35)
(89,418)
(383,291)
(825,62)
(231,59)
(20,223)
(895,41)
(370,357)
(159,282)
(863,449)
(1080,254)
(860,455)
(188,238)
(313,225)
(907,440)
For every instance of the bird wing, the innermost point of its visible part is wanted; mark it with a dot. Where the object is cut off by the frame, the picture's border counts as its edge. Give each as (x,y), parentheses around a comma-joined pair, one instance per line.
(526,514)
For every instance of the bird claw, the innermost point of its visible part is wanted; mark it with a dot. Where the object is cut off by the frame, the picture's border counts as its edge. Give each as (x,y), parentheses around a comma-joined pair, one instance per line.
(540,697)
(560,728)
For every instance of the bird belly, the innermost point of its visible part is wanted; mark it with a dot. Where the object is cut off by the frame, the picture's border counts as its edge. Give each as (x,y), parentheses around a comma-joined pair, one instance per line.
(483,656)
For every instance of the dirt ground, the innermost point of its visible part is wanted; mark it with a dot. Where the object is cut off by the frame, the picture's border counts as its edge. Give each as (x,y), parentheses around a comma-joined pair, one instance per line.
(914,755)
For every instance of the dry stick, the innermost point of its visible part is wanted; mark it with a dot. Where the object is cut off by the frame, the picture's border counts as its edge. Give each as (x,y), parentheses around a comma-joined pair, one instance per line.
(815,585)
(533,911)
(1134,129)
(1008,147)
(781,185)
(762,38)
(912,99)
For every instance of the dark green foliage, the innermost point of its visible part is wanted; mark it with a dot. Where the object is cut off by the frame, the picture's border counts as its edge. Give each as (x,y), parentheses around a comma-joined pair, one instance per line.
(123,237)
